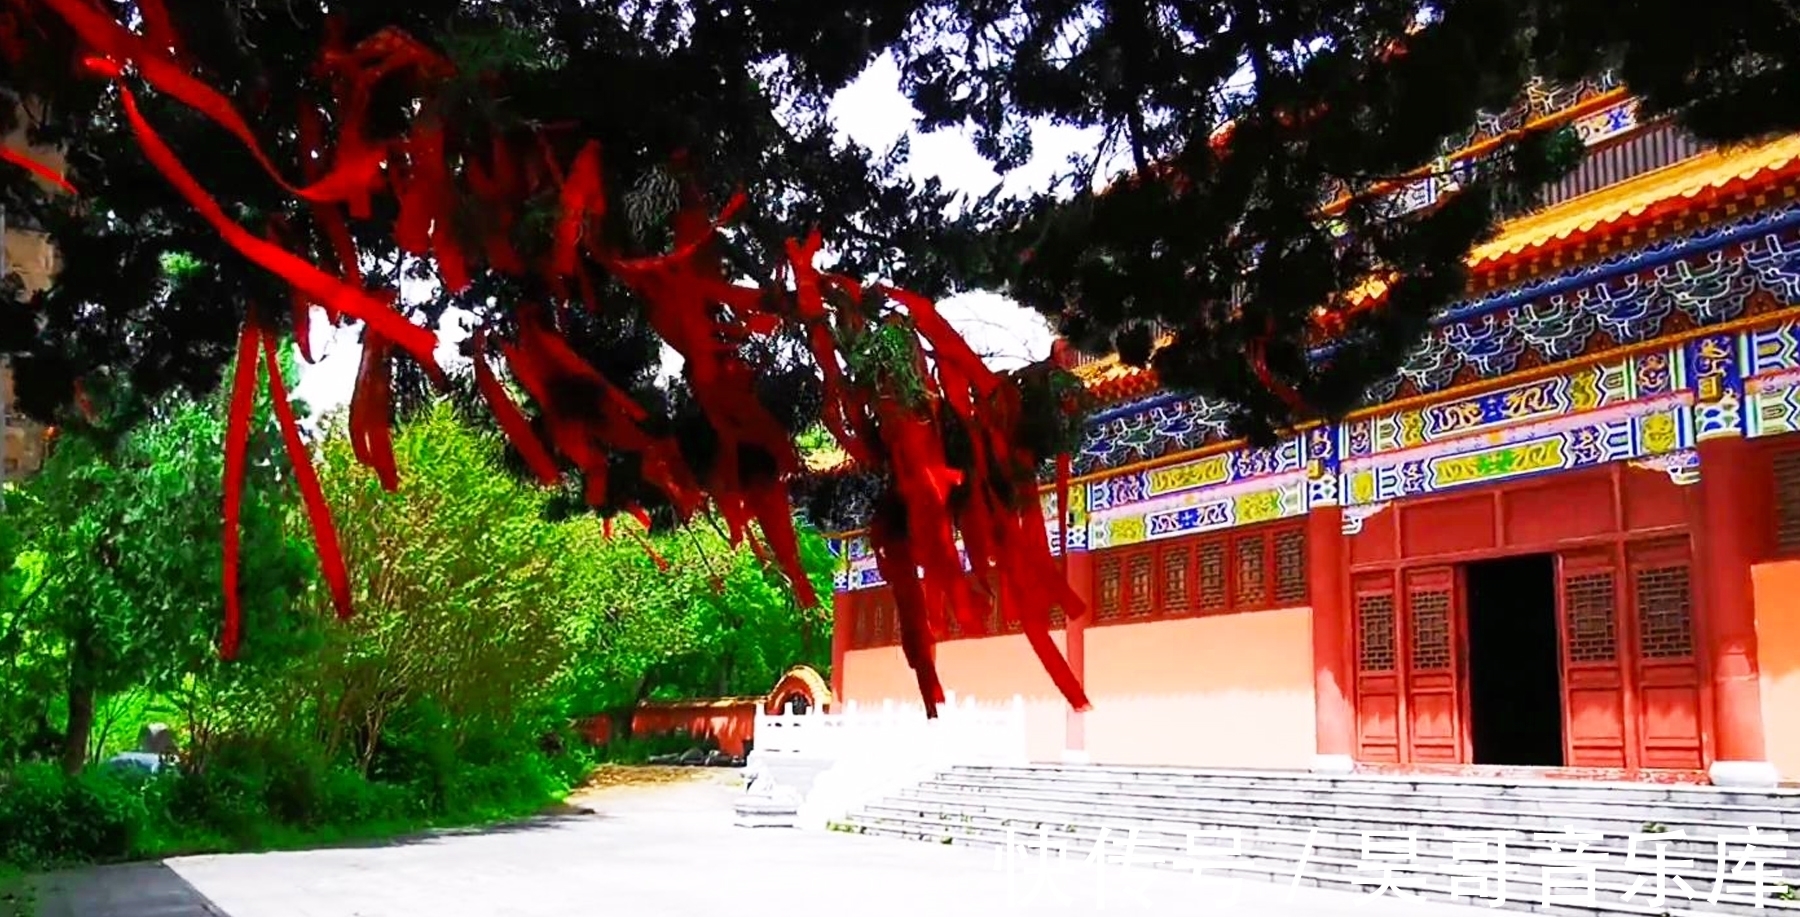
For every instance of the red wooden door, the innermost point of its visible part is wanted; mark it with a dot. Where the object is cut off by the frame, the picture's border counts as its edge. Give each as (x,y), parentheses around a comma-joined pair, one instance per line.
(1668,672)
(1592,678)
(1377,669)
(1433,708)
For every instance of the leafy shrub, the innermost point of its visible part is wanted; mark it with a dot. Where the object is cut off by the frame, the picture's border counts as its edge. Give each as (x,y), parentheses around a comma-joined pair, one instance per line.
(354,800)
(47,817)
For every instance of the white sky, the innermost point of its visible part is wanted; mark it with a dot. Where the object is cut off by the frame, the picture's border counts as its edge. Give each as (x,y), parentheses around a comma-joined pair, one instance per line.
(873,112)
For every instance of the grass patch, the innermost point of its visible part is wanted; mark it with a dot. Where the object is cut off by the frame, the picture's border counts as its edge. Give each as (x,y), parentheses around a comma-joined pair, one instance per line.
(17,898)
(49,820)
(271,836)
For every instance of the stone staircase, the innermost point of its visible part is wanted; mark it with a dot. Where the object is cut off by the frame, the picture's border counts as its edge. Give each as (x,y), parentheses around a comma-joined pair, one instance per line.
(1415,836)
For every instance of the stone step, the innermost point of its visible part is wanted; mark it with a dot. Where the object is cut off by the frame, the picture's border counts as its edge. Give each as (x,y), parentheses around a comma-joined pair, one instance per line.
(1702,855)
(1387,809)
(1141,778)
(1335,867)
(1275,816)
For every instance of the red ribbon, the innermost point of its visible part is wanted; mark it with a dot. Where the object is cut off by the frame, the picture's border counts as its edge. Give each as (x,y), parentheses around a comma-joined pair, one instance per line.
(512,422)
(237,442)
(687,302)
(371,412)
(316,284)
(325,538)
(36,168)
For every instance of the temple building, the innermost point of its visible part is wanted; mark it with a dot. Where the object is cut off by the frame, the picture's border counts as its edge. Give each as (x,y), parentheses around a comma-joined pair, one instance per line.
(1564,541)
(23,443)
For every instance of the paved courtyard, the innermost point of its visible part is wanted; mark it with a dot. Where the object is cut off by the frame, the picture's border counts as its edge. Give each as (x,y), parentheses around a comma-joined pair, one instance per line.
(665,850)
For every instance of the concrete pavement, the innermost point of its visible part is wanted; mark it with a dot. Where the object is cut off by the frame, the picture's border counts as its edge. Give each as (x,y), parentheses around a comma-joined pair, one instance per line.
(669,851)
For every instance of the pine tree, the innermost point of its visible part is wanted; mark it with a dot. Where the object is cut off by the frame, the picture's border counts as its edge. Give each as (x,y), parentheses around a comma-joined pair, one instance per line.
(1239,120)
(1177,224)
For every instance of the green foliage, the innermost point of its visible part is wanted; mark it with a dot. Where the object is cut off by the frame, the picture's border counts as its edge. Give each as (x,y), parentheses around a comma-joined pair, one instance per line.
(261,795)
(483,629)
(718,621)
(461,586)
(47,817)
(887,360)
(120,585)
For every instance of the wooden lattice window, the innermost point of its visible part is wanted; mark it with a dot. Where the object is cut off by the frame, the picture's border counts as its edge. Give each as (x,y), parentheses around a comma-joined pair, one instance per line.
(1215,573)
(1210,573)
(1000,623)
(861,616)
(871,619)
(1140,586)
(1375,632)
(1109,587)
(1665,611)
(996,609)
(1787,501)
(1290,567)
(1177,561)
(1251,572)
(1430,649)
(887,620)
(1590,617)
(978,600)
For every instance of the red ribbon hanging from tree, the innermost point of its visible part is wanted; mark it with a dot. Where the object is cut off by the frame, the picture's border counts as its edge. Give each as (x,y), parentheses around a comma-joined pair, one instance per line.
(689,304)
(237,441)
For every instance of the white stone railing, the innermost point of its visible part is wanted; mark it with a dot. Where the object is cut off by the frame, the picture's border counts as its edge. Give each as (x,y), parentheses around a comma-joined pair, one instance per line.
(833,763)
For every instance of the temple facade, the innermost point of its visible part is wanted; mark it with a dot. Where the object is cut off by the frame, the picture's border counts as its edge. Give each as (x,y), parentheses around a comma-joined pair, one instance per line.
(1564,540)
(28,254)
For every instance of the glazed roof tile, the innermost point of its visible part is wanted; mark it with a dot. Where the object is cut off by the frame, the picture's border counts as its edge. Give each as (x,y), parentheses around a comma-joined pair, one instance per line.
(1698,181)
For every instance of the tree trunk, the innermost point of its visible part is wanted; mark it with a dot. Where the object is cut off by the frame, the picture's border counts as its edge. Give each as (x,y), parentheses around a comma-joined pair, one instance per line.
(622,716)
(81,723)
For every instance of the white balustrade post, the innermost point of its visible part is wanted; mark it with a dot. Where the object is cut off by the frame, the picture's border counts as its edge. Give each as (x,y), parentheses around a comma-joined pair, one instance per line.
(965,741)
(1021,750)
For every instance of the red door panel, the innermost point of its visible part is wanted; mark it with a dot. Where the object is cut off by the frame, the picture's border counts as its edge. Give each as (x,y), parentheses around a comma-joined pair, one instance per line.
(1433,596)
(1668,682)
(1378,710)
(1588,593)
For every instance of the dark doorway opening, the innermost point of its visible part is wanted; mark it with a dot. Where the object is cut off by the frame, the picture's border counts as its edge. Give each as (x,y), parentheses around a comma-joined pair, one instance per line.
(1515,671)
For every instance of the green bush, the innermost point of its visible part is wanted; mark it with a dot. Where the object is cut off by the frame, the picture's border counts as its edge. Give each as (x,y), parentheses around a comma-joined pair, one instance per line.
(260,794)
(49,818)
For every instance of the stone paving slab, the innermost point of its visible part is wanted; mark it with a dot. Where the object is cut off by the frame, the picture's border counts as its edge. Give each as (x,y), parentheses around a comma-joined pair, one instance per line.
(671,852)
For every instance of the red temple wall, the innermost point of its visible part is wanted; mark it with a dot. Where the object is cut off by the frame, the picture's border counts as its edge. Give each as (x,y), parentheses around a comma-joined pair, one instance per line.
(1237,689)
(1775,580)
(1232,690)
(991,670)
(728,721)
(1777,586)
